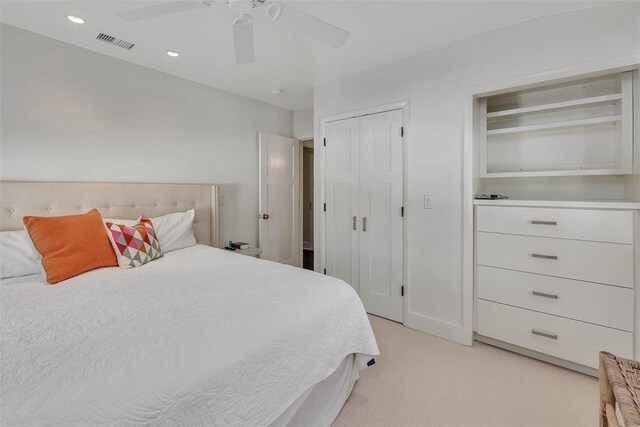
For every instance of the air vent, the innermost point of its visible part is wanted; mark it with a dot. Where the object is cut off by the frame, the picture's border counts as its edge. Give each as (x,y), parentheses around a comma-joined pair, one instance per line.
(115,41)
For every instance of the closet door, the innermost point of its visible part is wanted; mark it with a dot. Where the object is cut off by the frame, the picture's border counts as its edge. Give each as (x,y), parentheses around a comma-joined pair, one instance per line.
(342,157)
(380,209)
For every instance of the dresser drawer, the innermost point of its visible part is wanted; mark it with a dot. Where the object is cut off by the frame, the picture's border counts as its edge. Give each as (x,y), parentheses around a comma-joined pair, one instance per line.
(563,338)
(609,263)
(589,302)
(595,225)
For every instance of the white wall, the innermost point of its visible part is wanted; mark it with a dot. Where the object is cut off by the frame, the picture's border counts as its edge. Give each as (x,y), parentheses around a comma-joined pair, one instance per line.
(435,83)
(70,114)
(303,123)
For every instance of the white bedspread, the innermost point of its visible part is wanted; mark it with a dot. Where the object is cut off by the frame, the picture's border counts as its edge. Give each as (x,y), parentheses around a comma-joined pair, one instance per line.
(199,337)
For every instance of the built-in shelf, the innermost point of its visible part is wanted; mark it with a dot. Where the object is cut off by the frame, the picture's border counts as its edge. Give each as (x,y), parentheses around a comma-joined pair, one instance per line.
(577,172)
(585,204)
(556,106)
(555,125)
(578,127)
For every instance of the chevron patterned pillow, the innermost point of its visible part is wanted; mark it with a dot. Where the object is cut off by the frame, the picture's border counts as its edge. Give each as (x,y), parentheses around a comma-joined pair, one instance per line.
(134,245)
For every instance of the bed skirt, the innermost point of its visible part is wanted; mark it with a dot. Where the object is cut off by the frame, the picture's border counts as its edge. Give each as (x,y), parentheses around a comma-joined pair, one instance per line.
(321,404)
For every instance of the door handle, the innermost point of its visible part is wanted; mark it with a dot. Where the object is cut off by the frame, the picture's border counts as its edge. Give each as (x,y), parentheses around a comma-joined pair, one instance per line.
(263,216)
(544,256)
(355,222)
(364,223)
(536,222)
(542,294)
(544,334)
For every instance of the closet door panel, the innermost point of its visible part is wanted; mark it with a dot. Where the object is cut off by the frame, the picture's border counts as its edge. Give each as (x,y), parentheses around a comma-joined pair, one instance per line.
(342,198)
(378,266)
(340,239)
(380,209)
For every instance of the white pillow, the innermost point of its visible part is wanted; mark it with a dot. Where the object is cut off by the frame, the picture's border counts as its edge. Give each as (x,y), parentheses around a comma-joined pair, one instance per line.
(17,255)
(175,230)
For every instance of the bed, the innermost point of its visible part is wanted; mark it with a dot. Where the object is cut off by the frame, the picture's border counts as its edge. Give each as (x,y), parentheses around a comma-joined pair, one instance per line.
(201,336)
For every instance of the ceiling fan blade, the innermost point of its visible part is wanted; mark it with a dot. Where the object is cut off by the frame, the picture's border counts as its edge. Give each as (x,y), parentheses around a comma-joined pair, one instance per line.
(307,24)
(162,9)
(243,39)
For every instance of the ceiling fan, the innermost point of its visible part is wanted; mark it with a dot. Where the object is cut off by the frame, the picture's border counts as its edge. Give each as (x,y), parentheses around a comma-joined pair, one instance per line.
(242,24)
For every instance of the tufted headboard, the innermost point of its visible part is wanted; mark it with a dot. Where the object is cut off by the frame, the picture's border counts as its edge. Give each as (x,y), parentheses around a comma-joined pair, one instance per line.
(113,200)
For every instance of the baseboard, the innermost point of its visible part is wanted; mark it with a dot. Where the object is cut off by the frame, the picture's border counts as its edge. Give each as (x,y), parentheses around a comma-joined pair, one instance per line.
(536,355)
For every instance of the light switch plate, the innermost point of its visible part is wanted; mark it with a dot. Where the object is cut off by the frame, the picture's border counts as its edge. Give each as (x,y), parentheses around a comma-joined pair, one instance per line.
(428,202)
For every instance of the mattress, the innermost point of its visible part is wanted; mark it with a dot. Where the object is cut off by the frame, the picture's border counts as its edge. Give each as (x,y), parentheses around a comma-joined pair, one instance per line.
(201,336)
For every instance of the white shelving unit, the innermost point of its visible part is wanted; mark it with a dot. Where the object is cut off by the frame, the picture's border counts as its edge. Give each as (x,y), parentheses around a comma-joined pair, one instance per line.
(564,154)
(583,127)
(555,125)
(595,100)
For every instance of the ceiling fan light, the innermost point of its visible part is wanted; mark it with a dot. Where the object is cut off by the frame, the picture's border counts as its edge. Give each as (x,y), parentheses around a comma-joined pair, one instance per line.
(273,10)
(242,19)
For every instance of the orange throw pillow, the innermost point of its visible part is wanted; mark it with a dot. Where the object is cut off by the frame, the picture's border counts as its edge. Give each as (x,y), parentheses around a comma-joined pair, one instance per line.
(71,244)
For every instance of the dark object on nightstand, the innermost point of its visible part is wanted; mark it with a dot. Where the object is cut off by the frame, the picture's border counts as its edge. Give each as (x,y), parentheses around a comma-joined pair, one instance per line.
(490,197)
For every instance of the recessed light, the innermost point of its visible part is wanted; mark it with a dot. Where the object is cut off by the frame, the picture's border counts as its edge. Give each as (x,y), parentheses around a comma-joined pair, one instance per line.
(276,92)
(173,53)
(75,19)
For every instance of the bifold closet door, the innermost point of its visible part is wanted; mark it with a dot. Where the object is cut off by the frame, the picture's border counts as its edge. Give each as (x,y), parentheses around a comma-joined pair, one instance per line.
(381,214)
(342,157)
(363,195)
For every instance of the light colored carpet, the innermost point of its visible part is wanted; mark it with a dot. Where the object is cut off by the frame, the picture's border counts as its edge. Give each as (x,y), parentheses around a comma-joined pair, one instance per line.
(420,380)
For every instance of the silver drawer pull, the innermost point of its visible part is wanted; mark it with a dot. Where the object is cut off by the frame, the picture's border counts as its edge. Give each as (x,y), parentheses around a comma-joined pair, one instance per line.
(544,334)
(535,222)
(544,256)
(542,294)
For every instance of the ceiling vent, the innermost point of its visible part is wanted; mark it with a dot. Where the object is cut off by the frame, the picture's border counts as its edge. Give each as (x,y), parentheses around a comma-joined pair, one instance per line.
(115,41)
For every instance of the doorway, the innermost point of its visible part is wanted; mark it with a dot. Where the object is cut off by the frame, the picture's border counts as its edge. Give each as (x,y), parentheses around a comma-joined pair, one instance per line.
(279,205)
(306,197)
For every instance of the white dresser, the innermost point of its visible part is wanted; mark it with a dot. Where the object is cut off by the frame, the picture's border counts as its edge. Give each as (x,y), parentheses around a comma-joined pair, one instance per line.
(556,281)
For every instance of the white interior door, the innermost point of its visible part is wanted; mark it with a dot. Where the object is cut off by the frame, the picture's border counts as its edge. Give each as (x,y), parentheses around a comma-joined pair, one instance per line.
(381,213)
(342,156)
(279,220)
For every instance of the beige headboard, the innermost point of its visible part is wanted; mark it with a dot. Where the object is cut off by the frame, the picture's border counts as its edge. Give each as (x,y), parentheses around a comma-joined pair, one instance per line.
(113,200)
